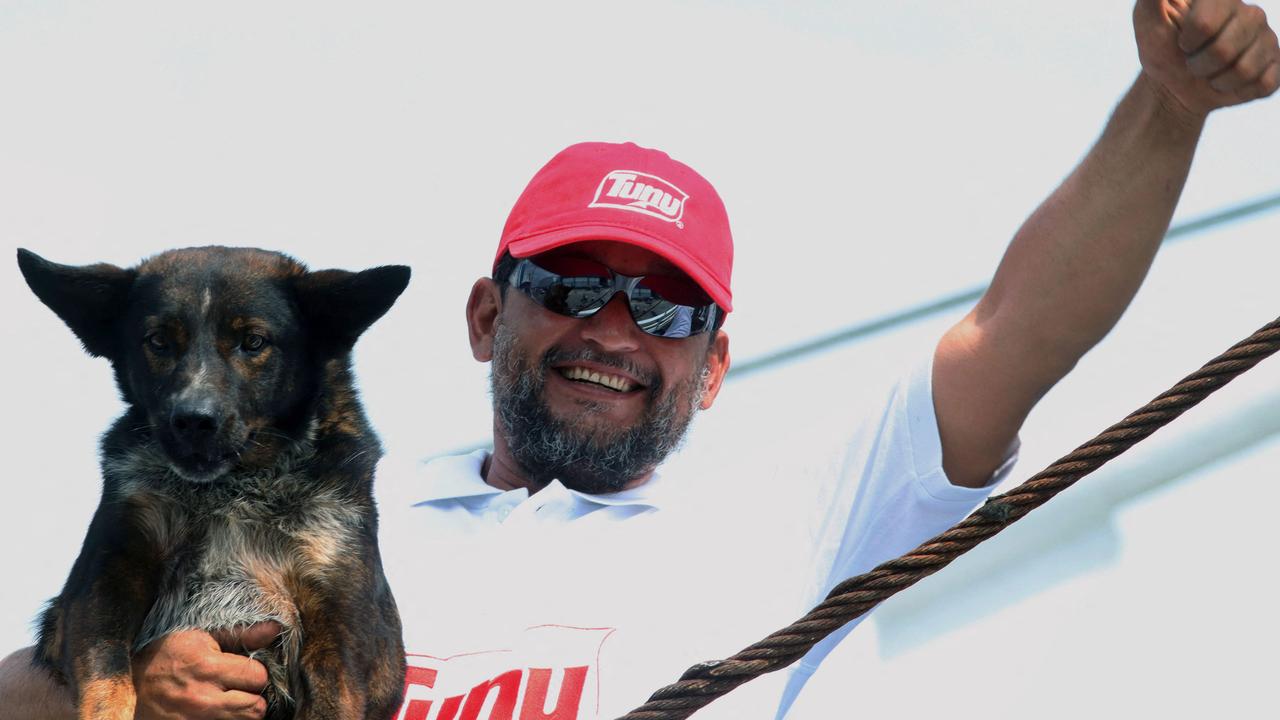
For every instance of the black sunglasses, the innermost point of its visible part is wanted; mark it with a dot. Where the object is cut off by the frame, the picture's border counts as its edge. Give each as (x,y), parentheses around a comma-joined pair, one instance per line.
(661,305)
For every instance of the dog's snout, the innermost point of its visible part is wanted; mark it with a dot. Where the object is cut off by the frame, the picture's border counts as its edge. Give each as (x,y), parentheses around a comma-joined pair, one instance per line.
(196,423)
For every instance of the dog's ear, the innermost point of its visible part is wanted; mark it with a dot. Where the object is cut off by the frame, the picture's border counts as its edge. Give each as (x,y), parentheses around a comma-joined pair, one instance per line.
(88,298)
(339,305)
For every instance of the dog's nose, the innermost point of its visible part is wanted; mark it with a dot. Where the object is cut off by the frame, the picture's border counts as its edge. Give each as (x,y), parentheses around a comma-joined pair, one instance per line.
(196,424)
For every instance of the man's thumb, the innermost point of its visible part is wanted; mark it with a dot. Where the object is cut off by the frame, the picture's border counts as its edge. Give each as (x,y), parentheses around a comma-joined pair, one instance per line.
(248,638)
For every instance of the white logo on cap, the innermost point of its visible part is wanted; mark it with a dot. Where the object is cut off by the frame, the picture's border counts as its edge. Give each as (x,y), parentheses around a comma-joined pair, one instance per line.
(642,193)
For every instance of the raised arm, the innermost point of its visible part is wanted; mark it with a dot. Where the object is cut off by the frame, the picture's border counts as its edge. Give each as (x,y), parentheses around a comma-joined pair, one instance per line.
(1073,267)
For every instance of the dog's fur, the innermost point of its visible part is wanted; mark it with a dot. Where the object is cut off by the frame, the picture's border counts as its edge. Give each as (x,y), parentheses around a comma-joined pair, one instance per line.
(237,486)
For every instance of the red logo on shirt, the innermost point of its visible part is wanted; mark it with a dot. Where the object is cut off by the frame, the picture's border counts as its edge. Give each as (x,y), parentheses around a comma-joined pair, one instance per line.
(496,685)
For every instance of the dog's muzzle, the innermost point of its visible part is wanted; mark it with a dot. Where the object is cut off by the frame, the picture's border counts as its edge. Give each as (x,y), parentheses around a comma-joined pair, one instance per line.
(198,446)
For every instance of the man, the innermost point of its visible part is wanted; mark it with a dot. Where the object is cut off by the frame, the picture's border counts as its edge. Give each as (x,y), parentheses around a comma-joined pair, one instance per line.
(592,391)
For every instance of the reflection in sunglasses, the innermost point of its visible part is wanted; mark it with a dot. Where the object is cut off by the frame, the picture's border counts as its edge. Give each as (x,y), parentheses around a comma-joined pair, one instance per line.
(662,306)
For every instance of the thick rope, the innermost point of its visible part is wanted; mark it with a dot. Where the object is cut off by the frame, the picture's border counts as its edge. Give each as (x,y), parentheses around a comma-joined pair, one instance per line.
(705,682)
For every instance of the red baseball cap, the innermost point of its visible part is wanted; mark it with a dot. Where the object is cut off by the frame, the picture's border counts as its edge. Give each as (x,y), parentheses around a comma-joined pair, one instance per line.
(628,194)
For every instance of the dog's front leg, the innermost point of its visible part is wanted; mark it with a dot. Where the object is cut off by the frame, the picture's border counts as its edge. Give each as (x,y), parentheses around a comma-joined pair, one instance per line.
(98,655)
(330,669)
(88,631)
(104,682)
(352,661)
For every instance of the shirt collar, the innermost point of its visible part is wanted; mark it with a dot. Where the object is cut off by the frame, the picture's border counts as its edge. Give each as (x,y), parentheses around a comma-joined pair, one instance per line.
(459,476)
(648,494)
(453,477)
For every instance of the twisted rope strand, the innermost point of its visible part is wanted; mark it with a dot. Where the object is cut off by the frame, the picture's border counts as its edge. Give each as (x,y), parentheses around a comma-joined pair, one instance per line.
(702,683)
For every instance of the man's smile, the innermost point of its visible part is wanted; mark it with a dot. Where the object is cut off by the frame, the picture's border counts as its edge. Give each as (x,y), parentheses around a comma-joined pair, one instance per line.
(614,382)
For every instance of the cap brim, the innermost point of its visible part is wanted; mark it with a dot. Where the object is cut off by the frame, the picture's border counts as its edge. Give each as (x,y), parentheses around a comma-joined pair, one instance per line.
(542,242)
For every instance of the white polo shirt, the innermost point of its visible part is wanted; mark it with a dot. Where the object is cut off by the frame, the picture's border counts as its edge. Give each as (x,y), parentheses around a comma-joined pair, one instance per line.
(570,606)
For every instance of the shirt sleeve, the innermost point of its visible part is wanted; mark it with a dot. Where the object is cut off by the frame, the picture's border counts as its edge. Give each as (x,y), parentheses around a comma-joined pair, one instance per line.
(885,494)
(891,492)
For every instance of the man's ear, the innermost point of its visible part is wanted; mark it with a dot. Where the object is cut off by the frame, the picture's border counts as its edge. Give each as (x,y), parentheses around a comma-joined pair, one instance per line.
(339,305)
(88,298)
(718,366)
(483,307)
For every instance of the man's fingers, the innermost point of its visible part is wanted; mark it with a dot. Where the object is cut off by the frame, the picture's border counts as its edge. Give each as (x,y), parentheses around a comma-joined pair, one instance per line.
(244,706)
(237,672)
(250,638)
(1226,48)
(1230,44)
(1202,23)
(1250,66)
(224,705)
(1266,85)
(185,674)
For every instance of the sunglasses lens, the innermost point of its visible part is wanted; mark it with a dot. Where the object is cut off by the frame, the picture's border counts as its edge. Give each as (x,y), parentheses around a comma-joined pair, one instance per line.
(575,295)
(658,316)
(664,320)
(578,297)
(660,305)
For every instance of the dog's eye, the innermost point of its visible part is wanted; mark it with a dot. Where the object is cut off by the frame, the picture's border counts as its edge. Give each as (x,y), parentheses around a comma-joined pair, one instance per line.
(156,342)
(253,342)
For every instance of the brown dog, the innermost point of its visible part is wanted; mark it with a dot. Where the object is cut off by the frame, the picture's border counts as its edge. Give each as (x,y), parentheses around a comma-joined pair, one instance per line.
(237,486)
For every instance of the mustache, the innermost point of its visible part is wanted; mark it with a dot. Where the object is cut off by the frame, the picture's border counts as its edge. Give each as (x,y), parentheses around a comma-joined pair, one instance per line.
(556,355)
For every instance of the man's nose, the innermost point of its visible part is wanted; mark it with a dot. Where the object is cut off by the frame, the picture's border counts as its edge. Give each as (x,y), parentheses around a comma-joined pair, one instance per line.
(612,328)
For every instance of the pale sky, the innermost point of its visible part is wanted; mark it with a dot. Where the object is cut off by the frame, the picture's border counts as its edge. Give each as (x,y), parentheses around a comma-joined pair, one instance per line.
(871,155)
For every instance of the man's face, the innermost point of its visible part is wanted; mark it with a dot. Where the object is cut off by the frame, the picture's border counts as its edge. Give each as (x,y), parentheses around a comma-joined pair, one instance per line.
(596,402)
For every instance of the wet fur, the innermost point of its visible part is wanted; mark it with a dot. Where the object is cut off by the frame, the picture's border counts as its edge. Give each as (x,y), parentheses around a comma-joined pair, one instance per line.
(287,534)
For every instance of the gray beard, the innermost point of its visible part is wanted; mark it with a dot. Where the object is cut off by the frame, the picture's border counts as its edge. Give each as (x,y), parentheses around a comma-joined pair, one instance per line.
(588,457)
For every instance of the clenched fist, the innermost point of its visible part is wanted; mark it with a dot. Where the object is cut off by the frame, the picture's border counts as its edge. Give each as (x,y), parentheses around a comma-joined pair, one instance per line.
(1207,54)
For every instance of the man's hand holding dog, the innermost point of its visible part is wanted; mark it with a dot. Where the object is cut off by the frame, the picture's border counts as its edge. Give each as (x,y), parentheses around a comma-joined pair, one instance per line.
(1207,54)
(191,676)
(188,675)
